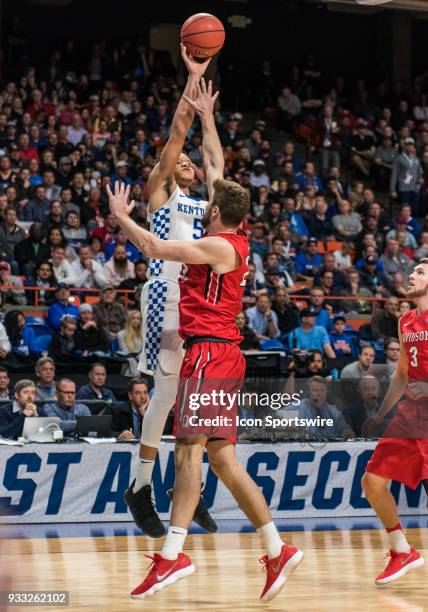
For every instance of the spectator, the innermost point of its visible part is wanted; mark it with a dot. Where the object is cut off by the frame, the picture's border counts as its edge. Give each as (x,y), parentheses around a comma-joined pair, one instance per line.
(393,261)
(4,384)
(61,266)
(10,235)
(135,284)
(259,176)
(129,417)
(343,342)
(318,223)
(87,272)
(366,406)
(12,288)
(309,336)
(262,320)
(89,337)
(355,294)
(347,224)
(21,337)
(5,346)
(132,253)
(373,278)
(329,139)
(13,415)
(26,252)
(121,173)
(108,232)
(330,265)
(96,390)
(37,209)
(76,131)
(66,407)
(75,233)
(45,280)
(61,307)
(55,217)
(63,343)
(130,339)
(308,263)
(412,225)
(406,176)
(290,107)
(249,339)
(384,324)
(401,228)
(392,354)
(308,178)
(108,313)
(362,148)
(52,191)
(46,385)
(286,312)
(316,406)
(358,369)
(118,268)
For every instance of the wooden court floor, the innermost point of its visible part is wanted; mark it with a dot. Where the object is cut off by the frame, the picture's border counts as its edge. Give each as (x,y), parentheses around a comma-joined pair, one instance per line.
(336,575)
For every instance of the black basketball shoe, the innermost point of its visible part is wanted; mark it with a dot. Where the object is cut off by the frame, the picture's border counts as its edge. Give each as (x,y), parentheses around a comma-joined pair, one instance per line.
(201,517)
(143,511)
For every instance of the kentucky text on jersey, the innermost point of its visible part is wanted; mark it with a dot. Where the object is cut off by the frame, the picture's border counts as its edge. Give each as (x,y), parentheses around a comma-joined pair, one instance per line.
(190,209)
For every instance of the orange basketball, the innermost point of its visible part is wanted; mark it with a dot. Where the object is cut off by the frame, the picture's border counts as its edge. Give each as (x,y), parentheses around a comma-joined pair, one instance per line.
(203,35)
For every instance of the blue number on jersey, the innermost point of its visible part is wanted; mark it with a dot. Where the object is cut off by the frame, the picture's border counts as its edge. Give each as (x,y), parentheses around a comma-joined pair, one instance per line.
(198,230)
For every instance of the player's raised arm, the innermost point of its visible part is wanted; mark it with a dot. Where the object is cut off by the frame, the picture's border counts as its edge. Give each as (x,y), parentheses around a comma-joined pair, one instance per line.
(211,146)
(161,181)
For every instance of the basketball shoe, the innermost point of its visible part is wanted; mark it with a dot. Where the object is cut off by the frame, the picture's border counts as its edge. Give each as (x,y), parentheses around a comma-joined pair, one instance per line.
(143,511)
(163,573)
(399,564)
(278,570)
(201,517)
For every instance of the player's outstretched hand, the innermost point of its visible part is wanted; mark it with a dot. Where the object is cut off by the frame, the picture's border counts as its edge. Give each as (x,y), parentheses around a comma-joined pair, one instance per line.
(118,201)
(195,68)
(205,100)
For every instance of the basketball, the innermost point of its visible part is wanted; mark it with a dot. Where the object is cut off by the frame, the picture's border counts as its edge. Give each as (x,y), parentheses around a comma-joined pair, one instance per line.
(203,35)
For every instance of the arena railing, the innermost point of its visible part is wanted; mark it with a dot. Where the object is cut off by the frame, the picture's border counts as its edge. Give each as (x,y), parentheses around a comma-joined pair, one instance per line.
(77,291)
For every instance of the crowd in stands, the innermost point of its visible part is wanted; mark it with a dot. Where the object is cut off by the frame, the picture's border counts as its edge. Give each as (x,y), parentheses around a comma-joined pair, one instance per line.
(337,174)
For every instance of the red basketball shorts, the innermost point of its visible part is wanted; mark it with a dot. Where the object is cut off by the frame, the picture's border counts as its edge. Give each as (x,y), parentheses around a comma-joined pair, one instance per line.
(211,377)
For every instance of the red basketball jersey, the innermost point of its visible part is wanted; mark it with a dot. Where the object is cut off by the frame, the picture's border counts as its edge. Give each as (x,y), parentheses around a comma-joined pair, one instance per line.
(210,302)
(414,336)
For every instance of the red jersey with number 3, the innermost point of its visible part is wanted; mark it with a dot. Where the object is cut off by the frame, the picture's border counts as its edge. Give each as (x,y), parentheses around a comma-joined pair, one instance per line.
(209,302)
(414,337)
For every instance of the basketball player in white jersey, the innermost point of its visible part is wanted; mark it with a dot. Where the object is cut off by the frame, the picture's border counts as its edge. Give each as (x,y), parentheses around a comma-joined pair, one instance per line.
(174,215)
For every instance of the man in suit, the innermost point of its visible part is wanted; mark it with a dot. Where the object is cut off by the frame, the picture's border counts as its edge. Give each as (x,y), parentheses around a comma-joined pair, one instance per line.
(13,415)
(129,417)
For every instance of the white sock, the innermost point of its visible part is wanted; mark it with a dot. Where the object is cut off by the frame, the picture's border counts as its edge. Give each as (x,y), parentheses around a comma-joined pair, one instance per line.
(271,540)
(397,540)
(143,474)
(174,542)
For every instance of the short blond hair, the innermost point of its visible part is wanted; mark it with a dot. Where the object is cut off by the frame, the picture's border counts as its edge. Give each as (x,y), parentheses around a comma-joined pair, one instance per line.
(232,200)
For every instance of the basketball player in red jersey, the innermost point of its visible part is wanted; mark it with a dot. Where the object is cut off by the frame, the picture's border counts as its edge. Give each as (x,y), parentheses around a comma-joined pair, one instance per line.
(211,290)
(402,453)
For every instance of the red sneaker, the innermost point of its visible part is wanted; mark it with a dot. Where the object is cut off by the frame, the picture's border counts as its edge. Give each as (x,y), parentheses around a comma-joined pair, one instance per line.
(163,573)
(278,570)
(399,564)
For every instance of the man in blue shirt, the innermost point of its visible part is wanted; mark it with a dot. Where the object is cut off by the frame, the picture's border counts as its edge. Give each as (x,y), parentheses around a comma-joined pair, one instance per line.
(61,307)
(308,178)
(322,315)
(262,320)
(66,407)
(95,390)
(310,336)
(308,262)
(13,415)
(316,406)
(342,341)
(132,253)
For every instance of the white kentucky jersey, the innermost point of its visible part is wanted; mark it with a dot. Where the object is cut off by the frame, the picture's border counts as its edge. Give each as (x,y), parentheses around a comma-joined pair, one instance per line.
(178,219)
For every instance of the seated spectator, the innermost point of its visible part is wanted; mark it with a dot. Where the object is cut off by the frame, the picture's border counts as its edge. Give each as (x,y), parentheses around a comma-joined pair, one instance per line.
(343,256)
(308,263)
(10,235)
(89,337)
(330,265)
(128,418)
(87,272)
(95,390)
(22,337)
(393,261)
(61,307)
(316,406)
(259,175)
(296,222)
(343,342)
(44,279)
(250,340)
(75,233)
(286,255)
(409,240)
(373,278)
(12,287)
(45,372)
(130,339)
(347,224)
(365,407)
(309,336)
(308,178)
(318,222)
(363,148)
(262,320)
(55,219)
(118,268)
(287,313)
(384,324)
(26,251)
(66,407)
(272,216)
(274,280)
(13,415)
(61,266)
(259,241)
(135,284)
(37,209)
(63,343)
(108,313)
(5,392)
(316,306)
(132,253)
(358,369)
(357,292)
(108,232)
(412,225)
(404,307)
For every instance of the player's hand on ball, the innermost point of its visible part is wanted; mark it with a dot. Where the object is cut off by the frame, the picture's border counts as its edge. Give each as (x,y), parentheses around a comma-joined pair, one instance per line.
(118,201)
(193,67)
(205,100)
